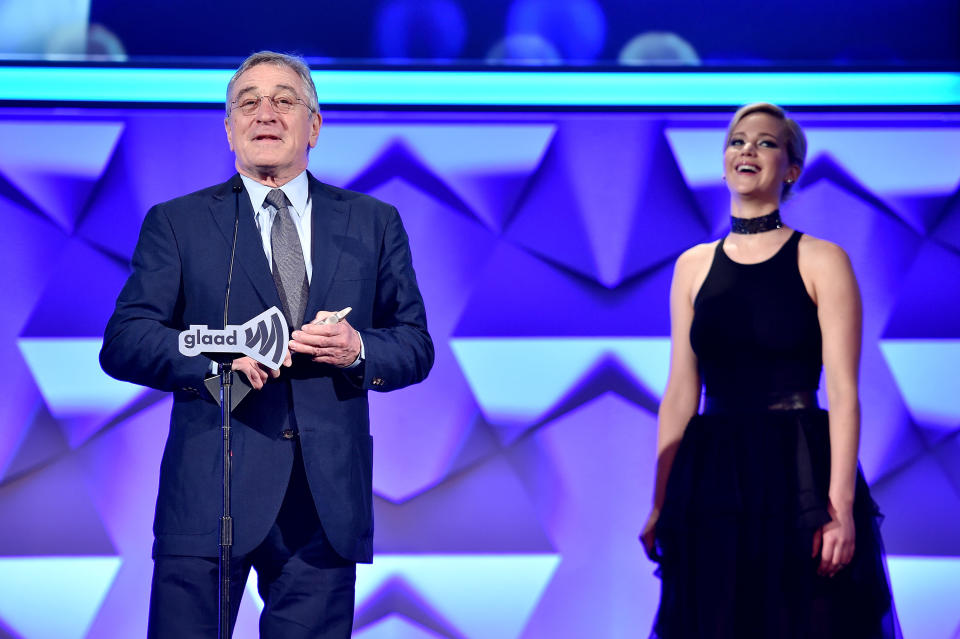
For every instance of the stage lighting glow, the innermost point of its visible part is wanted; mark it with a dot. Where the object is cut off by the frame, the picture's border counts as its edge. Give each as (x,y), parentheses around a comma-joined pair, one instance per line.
(496,88)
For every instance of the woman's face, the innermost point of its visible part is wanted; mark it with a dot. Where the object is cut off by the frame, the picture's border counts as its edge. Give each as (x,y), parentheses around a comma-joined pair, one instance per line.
(756,162)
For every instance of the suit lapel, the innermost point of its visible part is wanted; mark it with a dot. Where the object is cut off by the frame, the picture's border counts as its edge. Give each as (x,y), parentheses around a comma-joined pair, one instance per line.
(250,259)
(330,218)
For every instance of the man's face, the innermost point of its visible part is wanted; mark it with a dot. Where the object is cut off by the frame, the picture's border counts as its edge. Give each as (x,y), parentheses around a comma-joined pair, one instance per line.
(270,146)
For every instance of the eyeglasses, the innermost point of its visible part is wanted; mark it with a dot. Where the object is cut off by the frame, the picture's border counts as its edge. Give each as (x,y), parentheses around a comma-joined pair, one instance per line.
(282,103)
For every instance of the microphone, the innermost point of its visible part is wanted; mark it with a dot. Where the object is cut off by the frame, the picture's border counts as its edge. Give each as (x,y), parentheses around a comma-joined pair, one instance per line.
(237,190)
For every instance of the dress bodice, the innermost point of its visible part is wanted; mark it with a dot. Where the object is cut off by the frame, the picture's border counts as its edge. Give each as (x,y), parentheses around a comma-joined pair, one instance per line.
(755,328)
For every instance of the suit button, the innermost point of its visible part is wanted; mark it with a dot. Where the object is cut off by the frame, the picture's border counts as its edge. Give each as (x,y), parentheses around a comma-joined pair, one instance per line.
(377,381)
(288,434)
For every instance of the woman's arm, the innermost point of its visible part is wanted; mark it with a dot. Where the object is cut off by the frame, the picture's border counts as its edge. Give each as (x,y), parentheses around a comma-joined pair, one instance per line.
(682,395)
(838,302)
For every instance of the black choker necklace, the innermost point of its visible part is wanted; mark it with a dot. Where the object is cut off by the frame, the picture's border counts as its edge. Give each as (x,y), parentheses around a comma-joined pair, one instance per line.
(751,225)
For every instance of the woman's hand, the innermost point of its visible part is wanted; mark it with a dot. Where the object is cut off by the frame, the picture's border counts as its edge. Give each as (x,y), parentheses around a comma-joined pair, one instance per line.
(648,536)
(835,542)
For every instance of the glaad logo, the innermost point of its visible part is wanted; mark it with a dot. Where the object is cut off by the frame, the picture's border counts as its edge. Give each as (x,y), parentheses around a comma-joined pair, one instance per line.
(267,331)
(264,339)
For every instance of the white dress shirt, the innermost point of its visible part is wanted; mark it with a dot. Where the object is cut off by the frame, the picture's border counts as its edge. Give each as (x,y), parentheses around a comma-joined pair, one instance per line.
(297,191)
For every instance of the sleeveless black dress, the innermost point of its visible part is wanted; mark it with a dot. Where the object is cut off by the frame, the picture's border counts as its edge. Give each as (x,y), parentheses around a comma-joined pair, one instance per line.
(748,486)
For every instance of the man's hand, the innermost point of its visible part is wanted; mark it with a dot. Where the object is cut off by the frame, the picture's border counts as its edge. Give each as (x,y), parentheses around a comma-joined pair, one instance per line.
(336,344)
(255,372)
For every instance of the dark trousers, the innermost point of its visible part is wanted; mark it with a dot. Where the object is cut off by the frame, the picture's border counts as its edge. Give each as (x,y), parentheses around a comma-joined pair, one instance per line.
(307,589)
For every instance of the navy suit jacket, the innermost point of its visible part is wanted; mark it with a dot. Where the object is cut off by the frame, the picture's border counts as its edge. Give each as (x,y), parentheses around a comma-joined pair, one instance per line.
(361,258)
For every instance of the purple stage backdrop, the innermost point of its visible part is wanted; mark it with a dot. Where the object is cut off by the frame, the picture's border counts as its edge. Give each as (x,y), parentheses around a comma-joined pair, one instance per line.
(511,485)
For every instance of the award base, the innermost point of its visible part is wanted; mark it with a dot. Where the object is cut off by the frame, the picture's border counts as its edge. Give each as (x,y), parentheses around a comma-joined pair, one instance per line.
(240,389)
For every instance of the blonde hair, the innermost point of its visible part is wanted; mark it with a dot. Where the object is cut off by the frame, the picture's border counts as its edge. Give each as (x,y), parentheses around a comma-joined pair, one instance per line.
(795,138)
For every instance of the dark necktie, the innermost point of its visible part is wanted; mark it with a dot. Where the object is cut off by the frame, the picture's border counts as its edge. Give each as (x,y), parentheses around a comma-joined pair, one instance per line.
(289,272)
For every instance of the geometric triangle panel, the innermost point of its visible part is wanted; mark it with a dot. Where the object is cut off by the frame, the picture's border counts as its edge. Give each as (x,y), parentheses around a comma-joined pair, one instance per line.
(488,179)
(34,245)
(925,591)
(699,153)
(42,442)
(395,627)
(469,592)
(461,520)
(926,374)
(162,155)
(824,167)
(511,485)
(448,247)
(926,213)
(69,376)
(54,597)
(604,451)
(608,225)
(551,301)
(948,229)
(399,163)
(927,306)
(881,158)
(947,453)
(551,202)
(122,465)
(16,426)
(545,369)
(37,509)
(927,525)
(69,293)
(396,600)
(41,159)
(542,371)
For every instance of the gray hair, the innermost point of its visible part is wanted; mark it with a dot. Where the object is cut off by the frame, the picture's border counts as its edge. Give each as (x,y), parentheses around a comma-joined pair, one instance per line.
(795,138)
(292,62)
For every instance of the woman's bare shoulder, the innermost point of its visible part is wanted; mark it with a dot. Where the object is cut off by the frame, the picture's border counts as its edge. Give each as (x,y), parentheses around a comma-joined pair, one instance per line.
(697,256)
(692,267)
(822,255)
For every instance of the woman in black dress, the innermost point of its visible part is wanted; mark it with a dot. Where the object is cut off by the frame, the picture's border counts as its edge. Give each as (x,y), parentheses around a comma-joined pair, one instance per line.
(766,528)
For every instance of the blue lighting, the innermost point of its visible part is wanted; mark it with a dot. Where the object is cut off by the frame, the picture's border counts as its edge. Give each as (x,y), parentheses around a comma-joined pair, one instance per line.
(514,395)
(463,589)
(54,597)
(496,88)
(68,374)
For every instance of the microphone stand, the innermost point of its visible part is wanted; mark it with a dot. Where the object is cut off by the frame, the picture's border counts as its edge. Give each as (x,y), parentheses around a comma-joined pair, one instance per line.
(226,521)
(225,370)
(268,328)
(231,392)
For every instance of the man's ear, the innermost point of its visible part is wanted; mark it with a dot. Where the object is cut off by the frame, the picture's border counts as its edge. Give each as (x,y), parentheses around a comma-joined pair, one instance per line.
(226,125)
(315,124)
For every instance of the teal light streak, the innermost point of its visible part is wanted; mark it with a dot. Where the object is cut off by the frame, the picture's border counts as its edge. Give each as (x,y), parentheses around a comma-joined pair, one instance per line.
(496,88)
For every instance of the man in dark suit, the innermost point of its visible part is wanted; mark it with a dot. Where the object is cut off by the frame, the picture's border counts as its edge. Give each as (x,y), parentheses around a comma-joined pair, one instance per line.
(302,452)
